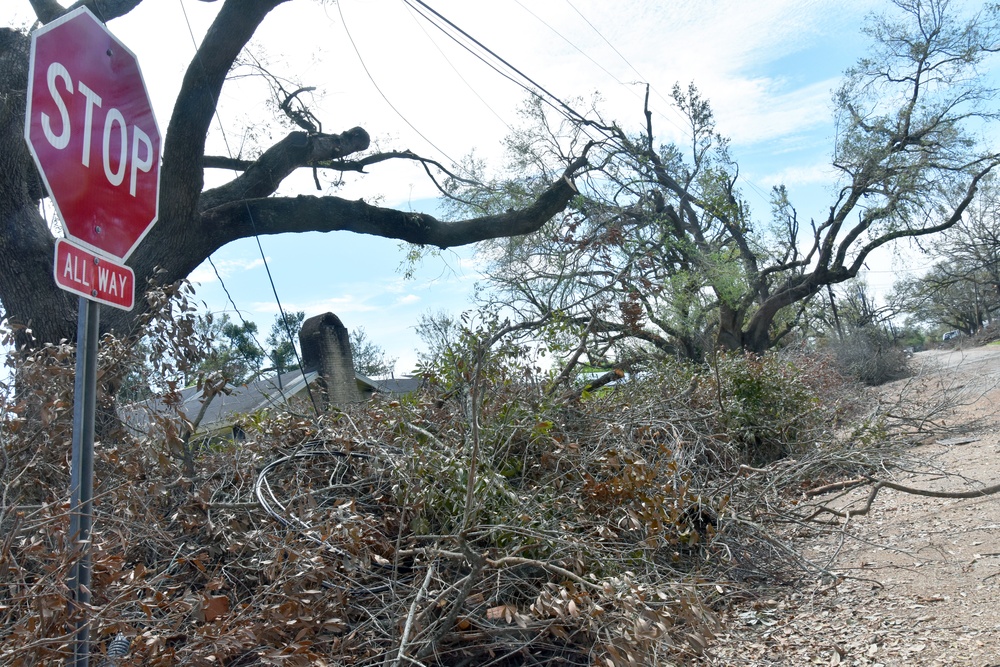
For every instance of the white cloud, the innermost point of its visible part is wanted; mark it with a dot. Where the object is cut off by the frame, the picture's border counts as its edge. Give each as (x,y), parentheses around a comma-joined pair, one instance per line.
(757,111)
(204,274)
(821,173)
(338,305)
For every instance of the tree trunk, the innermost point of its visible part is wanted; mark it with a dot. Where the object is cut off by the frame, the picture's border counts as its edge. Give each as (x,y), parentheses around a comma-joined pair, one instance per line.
(27,288)
(730,334)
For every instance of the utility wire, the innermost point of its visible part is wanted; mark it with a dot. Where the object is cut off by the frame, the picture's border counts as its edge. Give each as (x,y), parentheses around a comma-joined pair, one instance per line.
(256,236)
(371,78)
(670,105)
(569,110)
(435,18)
(619,53)
(628,86)
(457,73)
(571,43)
(229,296)
(535,88)
(211,263)
(571,113)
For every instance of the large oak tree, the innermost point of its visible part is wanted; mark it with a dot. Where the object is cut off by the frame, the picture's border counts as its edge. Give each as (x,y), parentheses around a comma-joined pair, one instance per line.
(195,221)
(661,254)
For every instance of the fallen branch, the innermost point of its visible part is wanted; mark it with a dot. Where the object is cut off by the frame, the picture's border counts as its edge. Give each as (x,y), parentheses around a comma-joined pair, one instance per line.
(978,493)
(835,486)
(847,514)
(504,562)
(477,562)
(404,638)
(880,484)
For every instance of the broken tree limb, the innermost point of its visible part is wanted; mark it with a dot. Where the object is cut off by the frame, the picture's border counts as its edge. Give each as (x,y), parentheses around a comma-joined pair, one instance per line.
(835,486)
(880,484)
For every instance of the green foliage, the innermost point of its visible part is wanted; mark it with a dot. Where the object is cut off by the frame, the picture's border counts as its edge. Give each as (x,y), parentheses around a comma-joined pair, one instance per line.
(438,331)
(283,340)
(763,404)
(369,357)
(172,346)
(912,337)
(660,255)
(437,480)
(960,290)
(234,351)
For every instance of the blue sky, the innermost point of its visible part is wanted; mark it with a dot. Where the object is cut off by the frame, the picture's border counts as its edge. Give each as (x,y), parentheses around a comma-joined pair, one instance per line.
(768,67)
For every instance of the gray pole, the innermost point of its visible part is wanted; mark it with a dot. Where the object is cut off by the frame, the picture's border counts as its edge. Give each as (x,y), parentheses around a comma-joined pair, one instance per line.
(82,471)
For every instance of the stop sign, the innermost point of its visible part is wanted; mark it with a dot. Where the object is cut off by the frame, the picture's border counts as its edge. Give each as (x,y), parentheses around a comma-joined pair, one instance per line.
(91,130)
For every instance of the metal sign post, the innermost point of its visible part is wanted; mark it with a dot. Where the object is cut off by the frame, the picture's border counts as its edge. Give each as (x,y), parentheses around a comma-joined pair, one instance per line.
(90,126)
(82,471)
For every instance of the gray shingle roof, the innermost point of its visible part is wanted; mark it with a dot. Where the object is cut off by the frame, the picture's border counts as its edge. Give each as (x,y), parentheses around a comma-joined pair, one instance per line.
(267,392)
(243,399)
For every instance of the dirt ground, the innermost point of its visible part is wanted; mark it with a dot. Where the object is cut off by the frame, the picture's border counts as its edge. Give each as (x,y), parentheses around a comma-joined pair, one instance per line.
(917,580)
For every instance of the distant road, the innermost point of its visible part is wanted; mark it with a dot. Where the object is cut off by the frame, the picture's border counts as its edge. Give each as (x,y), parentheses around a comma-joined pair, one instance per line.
(985,358)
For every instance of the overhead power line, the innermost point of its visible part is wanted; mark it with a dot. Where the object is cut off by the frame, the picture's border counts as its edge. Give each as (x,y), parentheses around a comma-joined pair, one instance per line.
(378,88)
(670,105)
(502,66)
(518,77)
(457,73)
(256,236)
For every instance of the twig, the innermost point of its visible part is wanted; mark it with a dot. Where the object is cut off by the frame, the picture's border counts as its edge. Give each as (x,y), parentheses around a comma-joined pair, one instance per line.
(555,569)
(849,513)
(508,561)
(477,562)
(234,506)
(423,432)
(835,486)
(404,639)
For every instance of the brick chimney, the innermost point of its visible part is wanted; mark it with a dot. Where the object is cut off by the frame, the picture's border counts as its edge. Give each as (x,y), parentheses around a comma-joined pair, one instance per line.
(326,347)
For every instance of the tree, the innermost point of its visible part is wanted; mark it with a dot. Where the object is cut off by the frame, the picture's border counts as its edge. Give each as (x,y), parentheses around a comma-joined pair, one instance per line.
(660,254)
(195,221)
(439,332)
(369,357)
(284,334)
(851,306)
(961,290)
(235,352)
(974,243)
(949,296)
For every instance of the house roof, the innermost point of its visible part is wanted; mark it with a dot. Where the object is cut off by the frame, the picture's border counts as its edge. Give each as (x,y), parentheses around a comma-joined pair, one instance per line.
(399,386)
(266,392)
(242,399)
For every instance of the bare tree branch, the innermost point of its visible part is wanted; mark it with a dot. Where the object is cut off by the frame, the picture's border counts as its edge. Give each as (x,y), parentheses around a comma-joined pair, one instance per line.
(262,177)
(276,215)
(106,10)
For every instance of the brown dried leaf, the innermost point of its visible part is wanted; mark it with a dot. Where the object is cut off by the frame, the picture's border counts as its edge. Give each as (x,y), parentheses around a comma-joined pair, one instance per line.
(214,606)
(504,612)
(697,642)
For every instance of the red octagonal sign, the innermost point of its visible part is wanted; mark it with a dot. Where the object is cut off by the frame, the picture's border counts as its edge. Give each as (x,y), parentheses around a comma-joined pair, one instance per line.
(91,130)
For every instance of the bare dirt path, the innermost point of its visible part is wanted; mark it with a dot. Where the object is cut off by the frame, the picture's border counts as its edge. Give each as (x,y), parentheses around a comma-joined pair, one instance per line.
(918,578)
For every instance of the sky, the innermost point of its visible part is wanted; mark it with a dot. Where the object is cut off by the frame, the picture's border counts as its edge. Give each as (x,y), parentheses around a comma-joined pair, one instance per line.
(768,68)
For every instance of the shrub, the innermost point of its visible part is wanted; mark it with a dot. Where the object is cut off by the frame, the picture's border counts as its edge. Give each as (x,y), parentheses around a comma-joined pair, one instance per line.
(761,403)
(869,356)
